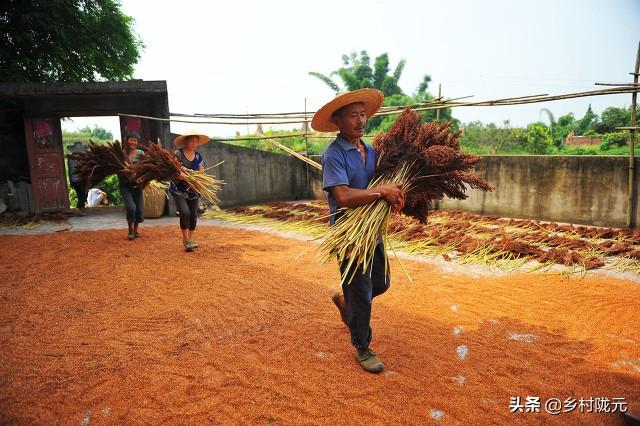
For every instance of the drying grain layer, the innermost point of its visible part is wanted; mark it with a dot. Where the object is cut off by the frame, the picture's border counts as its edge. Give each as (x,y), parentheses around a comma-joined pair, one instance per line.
(95,329)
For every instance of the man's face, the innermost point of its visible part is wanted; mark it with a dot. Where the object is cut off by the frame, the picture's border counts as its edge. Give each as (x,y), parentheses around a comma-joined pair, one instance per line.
(351,120)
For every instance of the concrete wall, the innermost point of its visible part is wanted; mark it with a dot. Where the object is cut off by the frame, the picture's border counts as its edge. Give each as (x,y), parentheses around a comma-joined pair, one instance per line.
(254,176)
(577,189)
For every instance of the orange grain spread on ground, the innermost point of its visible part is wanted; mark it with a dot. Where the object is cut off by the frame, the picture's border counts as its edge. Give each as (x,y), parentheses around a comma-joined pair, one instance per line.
(97,329)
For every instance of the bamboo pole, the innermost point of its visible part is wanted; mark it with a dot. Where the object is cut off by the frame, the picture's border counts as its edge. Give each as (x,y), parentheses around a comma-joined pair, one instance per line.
(295,154)
(632,88)
(616,84)
(306,148)
(632,143)
(439,96)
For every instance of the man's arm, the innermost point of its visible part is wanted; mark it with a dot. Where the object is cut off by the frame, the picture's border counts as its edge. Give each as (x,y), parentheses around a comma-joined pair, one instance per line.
(351,197)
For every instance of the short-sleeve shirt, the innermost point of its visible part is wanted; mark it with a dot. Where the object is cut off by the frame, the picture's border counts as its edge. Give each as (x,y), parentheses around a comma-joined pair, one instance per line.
(124,182)
(342,165)
(138,156)
(180,187)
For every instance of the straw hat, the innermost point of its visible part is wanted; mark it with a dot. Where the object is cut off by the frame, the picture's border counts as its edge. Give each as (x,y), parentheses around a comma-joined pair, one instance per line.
(371,98)
(202,139)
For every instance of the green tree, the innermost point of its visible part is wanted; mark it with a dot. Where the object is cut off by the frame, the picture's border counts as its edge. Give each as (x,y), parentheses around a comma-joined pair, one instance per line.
(97,132)
(356,73)
(611,118)
(71,40)
(491,139)
(565,125)
(538,138)
(587,122)
(552,120)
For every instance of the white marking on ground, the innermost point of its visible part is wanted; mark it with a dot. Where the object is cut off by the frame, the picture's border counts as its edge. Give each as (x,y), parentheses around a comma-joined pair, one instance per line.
(86,418)
(493,322)
(320,354)
(633,363)
(462,351)
(106,411)
(454,308)
(437,415)
(525,338)
(459,379)
(629,341)
(390,373)
(488,401)
(457,330)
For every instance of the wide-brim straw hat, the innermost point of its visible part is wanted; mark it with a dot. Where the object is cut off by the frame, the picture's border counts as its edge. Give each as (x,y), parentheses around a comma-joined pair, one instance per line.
(202,139)
(371,98)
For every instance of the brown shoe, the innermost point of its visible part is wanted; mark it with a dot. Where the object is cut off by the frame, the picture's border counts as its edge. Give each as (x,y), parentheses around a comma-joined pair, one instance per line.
(369,361)
(338,300)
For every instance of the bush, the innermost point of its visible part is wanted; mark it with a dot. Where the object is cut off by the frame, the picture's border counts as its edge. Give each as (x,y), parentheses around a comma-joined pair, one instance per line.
(73,197)
(615,138)
(111,187)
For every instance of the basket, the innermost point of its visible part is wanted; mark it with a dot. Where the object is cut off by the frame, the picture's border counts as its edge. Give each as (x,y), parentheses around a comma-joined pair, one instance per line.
(154,202)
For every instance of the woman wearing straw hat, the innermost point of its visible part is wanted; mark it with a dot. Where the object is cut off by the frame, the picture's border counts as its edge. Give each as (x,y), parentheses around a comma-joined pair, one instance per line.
(132,193)
(348,165)
(186,198)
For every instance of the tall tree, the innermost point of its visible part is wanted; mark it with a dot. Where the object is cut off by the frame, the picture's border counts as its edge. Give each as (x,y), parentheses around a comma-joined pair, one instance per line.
(66,40)
(586,123)
(611,118)
(356,73)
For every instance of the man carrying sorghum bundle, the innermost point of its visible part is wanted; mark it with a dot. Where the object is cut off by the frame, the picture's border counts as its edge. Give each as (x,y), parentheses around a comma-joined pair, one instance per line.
(348,166)
(185,197)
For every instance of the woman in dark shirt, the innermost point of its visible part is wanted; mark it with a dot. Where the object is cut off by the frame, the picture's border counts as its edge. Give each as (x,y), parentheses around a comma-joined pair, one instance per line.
(186,199)
(132,193)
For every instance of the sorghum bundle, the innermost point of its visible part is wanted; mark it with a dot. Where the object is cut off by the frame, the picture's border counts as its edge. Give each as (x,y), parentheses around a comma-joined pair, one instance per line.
(438,168)
(425,160)
(99,161)
(162,165)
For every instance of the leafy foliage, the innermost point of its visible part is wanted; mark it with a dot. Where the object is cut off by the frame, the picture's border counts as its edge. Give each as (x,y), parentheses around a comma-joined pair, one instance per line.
(356,73)
(72,40)
(97,133)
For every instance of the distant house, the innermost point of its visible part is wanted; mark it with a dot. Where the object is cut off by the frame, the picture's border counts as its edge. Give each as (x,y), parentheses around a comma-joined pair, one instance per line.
(573,140)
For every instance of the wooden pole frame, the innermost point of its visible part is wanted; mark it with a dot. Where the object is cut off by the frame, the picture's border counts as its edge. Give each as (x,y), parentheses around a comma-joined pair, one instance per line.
(631,208)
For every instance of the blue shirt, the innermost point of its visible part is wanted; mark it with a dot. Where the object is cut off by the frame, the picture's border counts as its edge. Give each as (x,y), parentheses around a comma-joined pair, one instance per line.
(342,165)
(180,187)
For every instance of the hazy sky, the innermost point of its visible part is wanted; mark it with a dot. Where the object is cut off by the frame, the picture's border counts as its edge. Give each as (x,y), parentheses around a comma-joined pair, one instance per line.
(254,55)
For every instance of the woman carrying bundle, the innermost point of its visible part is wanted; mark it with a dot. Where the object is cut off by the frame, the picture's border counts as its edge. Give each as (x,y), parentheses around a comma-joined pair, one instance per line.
(186,198)
(132,193)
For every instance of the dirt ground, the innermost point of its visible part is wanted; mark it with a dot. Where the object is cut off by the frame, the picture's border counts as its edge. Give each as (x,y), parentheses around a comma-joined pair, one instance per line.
(95,329)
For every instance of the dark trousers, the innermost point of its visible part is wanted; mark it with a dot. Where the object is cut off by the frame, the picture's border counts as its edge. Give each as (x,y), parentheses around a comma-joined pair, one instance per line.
(81,192)
(133,202)
(359,294)
(188,210)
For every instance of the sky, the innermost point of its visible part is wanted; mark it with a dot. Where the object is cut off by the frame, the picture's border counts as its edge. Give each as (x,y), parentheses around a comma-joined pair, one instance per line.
(253,56)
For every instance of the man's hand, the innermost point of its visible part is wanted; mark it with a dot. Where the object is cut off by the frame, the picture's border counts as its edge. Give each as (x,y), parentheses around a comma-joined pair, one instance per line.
(394,196)
(399,205)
